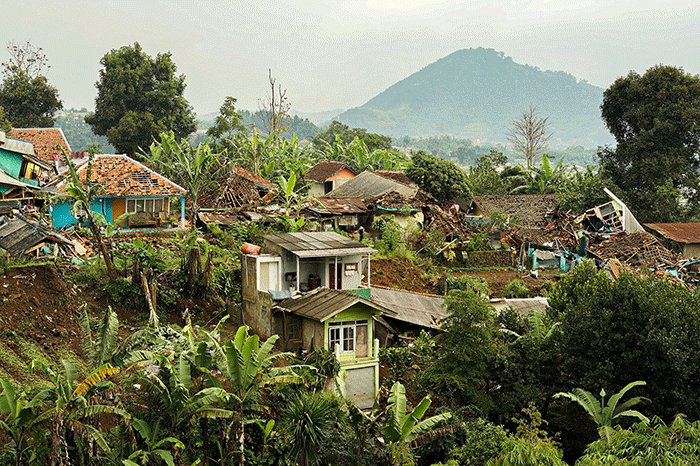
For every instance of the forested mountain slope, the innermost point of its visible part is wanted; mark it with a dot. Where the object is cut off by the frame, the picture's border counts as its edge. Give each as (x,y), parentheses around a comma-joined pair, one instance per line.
(476,93)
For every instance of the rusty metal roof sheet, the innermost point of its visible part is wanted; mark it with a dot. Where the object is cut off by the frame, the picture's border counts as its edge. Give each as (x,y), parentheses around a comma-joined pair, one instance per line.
(688,233)
(323,304)
(339,205)
(415,308)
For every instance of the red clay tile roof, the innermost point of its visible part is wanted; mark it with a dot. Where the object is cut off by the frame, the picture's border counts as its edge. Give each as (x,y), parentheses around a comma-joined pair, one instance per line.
(48,142)
(324,170)
(688,233)
(123,176)
(253,177)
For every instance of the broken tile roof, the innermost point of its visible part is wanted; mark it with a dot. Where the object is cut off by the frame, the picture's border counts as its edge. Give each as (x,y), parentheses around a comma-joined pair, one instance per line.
(122,176)
(687,233)
(326,169)
(258,180)
(341,205)
(47,142)
(531,209)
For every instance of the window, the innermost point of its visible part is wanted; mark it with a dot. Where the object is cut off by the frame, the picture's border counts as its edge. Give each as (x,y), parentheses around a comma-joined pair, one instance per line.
(145,205)
(349,335)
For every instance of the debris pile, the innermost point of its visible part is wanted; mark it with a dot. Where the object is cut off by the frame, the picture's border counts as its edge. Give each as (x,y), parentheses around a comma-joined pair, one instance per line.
(639,248)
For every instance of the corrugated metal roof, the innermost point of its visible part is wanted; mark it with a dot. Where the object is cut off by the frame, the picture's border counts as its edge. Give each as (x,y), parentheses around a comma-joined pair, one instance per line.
(415,308)
(318,244)
(522,305)
(368,185)
(343,205)
(323,304)
(688,233)
(19,234)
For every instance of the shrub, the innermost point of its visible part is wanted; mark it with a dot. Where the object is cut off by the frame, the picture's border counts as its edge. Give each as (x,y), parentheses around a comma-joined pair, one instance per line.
(516,289)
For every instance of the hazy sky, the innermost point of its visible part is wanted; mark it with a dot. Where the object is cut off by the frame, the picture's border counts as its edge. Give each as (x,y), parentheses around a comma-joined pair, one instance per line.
(337,54)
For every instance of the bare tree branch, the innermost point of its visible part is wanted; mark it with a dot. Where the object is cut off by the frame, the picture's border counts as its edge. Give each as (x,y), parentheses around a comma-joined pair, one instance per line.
(26,58)
(274,109)
(529,134)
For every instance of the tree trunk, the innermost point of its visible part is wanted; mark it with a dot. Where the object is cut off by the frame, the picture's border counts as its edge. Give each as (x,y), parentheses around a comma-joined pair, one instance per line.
(111,273)
(206,274)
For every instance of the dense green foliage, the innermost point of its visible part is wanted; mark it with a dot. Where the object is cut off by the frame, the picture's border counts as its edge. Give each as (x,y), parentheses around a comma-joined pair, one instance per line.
(80,136)
(29,102)
(139,97)
(654,119)
(440,178)
(630,329)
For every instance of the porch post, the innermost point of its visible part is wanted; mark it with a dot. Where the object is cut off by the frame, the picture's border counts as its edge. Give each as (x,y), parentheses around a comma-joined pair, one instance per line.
(298,280)
(182,211)
(369,256)
(335,275)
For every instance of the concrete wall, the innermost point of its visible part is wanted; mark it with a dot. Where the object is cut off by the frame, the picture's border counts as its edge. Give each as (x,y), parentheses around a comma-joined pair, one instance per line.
(60,212)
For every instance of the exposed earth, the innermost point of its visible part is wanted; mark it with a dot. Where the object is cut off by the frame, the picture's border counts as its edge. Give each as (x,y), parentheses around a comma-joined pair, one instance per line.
(41,308)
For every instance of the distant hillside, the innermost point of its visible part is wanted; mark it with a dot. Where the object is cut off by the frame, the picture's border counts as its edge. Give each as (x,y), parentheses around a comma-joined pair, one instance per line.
(476,94)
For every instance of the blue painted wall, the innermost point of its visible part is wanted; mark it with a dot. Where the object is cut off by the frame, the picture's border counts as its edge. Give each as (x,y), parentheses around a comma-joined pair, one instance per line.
(11,162)
(62,216)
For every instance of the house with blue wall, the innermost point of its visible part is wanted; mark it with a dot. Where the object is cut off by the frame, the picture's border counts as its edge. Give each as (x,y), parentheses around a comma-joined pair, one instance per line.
(20,168)
(128,186)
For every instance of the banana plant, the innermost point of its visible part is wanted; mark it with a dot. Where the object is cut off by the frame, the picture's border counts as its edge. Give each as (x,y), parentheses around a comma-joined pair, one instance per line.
(18,416)
(402,426)
(606,416)
(248,368)
(73,404)
(154,447)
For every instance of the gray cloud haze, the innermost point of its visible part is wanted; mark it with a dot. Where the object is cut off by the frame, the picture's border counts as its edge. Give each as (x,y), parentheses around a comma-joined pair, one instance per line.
(332,54)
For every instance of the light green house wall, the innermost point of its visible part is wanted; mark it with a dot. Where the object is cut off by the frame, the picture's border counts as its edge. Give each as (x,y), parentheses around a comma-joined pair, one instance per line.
(11,162)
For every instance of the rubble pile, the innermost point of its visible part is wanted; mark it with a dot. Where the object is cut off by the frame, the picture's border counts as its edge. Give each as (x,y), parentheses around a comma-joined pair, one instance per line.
(639,248)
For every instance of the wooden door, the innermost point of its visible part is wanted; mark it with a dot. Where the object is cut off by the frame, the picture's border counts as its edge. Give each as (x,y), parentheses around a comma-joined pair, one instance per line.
(335,277)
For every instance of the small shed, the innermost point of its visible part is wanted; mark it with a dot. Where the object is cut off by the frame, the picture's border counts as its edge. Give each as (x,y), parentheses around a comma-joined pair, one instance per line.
(686,235)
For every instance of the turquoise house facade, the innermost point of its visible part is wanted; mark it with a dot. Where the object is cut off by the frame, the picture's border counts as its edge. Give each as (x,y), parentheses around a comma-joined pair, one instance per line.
(128,186)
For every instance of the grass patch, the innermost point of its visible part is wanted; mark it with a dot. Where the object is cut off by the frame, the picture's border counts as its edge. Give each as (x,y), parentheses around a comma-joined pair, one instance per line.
(8,358)
(29,351)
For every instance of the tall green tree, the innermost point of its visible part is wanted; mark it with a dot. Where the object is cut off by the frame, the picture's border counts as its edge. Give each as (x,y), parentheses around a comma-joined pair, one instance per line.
(654,119)
(28,99)
(228,122)
(441,178)
(139,97)
(466,345)
(633,328)
(29,102)
(484,177)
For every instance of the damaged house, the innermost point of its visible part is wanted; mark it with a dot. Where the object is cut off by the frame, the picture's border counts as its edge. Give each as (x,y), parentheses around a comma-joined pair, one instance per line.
(307,287)
(21,170)
(129,186)
(383,195)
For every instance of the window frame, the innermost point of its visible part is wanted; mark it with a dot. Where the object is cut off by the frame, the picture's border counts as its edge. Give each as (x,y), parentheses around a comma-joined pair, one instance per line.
(344,334)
